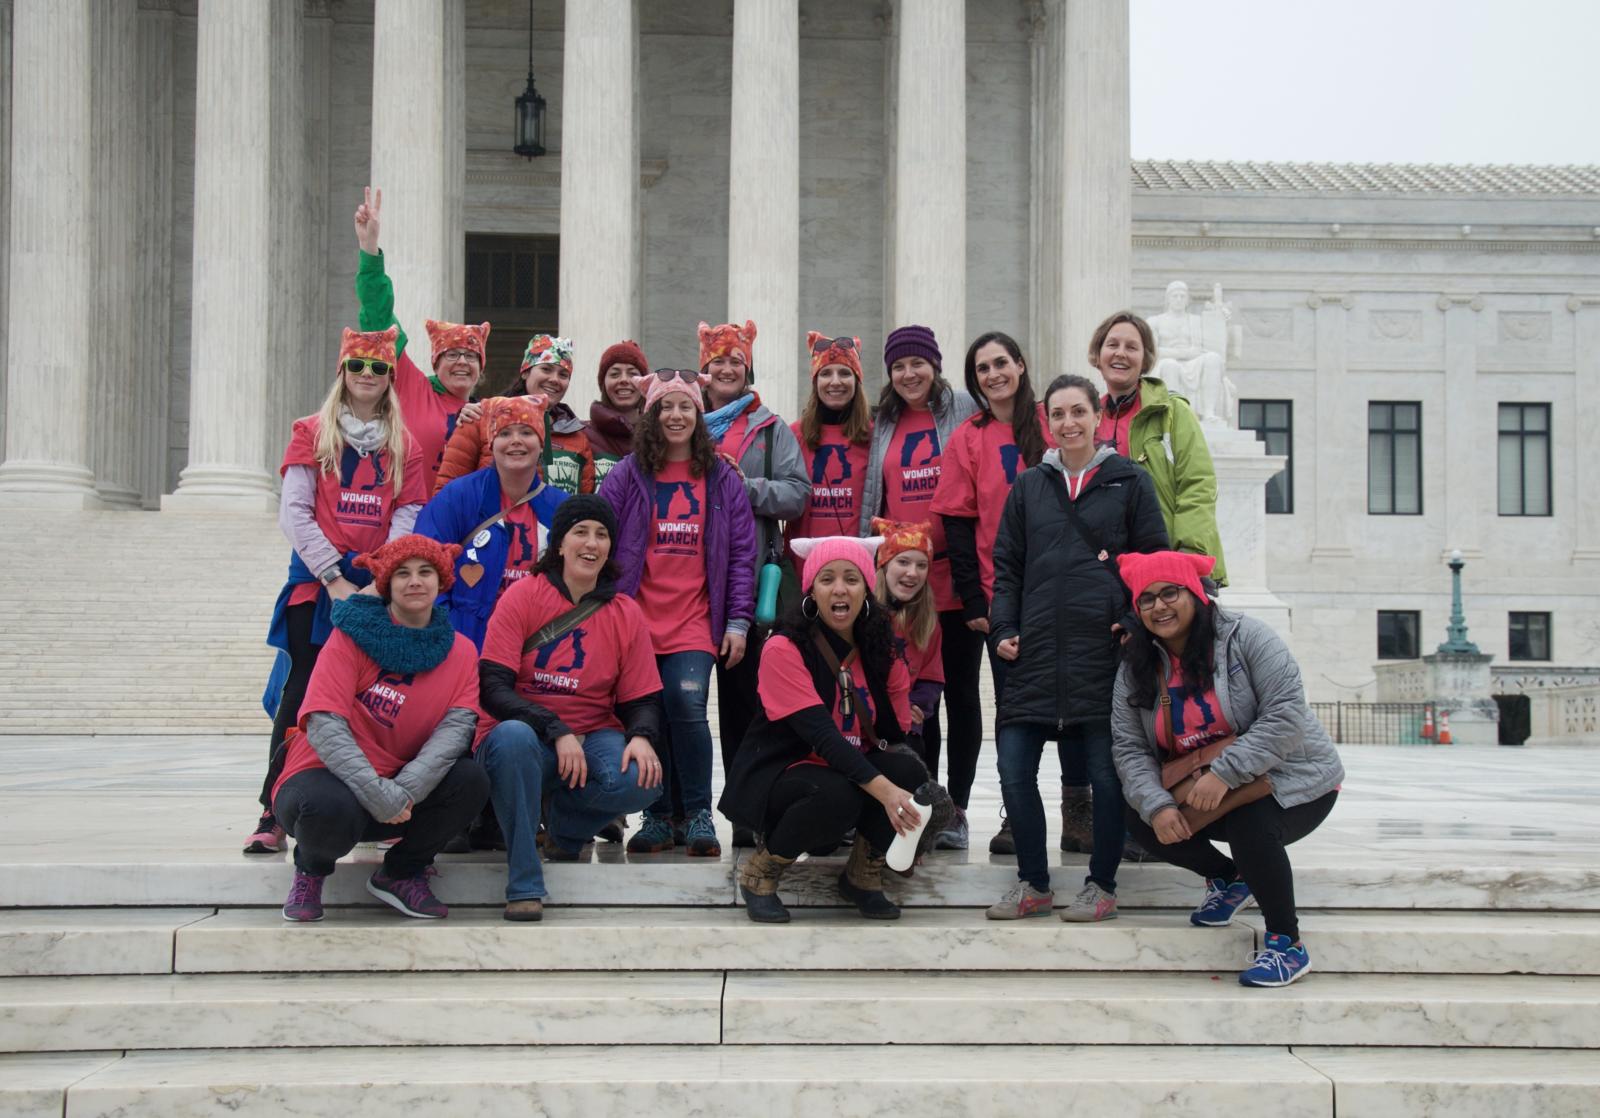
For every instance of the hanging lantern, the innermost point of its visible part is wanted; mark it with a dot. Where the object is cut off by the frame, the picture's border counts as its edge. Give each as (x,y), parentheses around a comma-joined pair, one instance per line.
(530,109)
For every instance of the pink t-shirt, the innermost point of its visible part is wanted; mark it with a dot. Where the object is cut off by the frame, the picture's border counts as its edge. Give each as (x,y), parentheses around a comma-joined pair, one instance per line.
(1113,430)
(1196,716)
(391,715)
(925,663)
(522,553)
(673,592)
(430,416)
(582,676)
(785,686)
(911,469)
(838,471)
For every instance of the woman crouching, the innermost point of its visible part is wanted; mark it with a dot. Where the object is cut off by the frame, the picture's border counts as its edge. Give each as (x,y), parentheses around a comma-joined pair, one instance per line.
(1220,695)
(814,764)
(380,751)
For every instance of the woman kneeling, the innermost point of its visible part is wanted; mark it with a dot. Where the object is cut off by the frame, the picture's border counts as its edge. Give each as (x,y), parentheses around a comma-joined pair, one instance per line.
(570,675)
(380,751)
(814,764)
(1220,694)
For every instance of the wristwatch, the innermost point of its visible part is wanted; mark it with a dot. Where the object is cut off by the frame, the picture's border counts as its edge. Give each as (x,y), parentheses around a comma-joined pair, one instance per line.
(330,576)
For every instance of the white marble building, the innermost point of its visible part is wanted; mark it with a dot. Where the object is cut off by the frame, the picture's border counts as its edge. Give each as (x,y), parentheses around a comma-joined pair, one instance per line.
(175,220)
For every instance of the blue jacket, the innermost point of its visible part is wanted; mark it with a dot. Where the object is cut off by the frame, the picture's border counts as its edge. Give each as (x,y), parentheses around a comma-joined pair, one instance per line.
(457,509)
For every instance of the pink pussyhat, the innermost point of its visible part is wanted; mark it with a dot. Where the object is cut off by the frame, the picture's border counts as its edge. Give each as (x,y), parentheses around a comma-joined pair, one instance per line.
(685,381)
(818,552)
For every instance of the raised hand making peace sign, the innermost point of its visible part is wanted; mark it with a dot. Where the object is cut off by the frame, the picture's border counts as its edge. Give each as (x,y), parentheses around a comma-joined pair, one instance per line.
(367,220)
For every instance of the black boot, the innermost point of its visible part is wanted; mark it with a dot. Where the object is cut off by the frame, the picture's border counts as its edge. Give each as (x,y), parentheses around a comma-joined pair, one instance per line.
(861,883)
(758,885)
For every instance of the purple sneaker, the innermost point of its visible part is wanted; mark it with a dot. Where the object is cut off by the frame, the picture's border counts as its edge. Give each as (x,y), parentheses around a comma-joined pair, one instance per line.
(408,895)
(304,905)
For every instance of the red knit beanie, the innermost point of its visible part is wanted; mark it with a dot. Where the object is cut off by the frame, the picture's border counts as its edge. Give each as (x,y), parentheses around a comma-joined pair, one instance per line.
(383,561)
(626,352)
(1180,568)
(827,351)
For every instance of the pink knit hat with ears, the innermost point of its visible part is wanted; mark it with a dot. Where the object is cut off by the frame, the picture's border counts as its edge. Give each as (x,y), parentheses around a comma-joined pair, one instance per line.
(818,552)
(654,388)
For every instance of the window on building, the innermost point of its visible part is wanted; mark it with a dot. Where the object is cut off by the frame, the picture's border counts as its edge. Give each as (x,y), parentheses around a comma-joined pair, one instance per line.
(1273,423)
(1399,634)
(1394,458)
(512,285)
(1528,636)
(1524,459)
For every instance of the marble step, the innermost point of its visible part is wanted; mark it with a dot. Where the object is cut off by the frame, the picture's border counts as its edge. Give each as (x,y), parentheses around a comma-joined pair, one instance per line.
(1440,942)
(91,941)
(1461,1082)
(318,1010)
(1511,1011)
(500,1082)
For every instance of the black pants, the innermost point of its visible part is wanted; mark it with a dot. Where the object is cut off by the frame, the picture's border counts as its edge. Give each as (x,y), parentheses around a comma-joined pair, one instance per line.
(327,820)
(302,658)
(1256,835)
(963,658)
(812,806)
(737,701)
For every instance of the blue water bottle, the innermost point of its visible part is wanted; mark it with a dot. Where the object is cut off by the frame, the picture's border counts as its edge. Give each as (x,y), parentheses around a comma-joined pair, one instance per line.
(767,593)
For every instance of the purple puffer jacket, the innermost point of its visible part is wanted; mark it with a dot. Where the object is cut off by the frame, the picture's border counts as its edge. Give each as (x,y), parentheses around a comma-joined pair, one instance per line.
(730,540)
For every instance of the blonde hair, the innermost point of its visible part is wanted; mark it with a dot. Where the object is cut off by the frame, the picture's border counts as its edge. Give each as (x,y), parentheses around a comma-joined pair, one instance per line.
(330,436)
(915,619)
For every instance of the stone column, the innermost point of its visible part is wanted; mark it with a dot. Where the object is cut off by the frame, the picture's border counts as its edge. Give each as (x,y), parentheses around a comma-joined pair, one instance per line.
(1586,420)
(927,226)
(246,162)
(326,217)
(1470,474)
(5,196)
(1338,431)
(153,244)
(50,353)
(599,184)
(1243,468)
(764,193)
(419,156)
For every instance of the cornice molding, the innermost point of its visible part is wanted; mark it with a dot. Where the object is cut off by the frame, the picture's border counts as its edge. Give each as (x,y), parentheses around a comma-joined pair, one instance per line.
(1214,243)
(1469,299)
(1582,299)
(495,168)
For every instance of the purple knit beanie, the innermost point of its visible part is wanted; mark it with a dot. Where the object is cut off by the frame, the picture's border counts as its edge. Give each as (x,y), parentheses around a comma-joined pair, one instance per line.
(912,341)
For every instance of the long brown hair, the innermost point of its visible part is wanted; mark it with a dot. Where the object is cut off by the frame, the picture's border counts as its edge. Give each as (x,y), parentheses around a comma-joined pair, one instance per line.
(650,444)
(915,619)
(857,423)
(1024,407)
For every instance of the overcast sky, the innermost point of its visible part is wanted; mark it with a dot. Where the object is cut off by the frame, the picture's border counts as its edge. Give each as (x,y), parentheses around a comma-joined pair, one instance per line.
(1366,81)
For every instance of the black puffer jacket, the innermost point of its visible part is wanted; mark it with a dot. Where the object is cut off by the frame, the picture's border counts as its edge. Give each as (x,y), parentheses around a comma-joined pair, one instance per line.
(1053,590)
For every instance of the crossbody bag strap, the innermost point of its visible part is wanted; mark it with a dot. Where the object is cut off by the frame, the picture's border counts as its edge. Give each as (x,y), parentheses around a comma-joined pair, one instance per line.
(1164,715)
(846,686)
(564,624)
(524,499)
(774,538)
(1071,508)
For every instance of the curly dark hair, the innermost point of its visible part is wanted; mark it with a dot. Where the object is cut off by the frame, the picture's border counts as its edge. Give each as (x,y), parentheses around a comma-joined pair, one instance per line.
(650,445)
(873,636)
(1024,412)
(1140,654)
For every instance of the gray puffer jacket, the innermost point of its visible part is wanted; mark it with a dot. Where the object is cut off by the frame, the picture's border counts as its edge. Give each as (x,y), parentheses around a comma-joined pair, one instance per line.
(777,489)
(952,412)
(1259,689)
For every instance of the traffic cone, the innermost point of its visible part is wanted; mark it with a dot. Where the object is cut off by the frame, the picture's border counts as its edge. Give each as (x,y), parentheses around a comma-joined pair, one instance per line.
(1444,727)
(1427,722)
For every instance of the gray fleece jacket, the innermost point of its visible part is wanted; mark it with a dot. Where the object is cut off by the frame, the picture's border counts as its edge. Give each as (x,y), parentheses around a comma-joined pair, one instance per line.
(951,414)
(777,489)
(1259,689)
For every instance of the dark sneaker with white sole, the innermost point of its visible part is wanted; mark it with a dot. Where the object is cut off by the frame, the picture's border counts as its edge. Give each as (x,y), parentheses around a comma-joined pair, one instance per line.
(408,895)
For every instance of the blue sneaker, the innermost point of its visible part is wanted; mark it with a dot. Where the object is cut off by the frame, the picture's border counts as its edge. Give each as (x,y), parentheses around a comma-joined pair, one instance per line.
(1222,901)
(700,835)
(1279,963)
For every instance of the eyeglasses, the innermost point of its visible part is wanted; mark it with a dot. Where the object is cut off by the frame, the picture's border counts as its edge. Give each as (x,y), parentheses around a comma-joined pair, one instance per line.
(357,365)
(1167,596)
(453,355)
(667,376)
(823,345)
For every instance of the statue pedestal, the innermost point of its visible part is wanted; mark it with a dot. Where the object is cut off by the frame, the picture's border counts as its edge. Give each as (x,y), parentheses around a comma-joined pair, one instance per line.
(1243,469)
(1459,682)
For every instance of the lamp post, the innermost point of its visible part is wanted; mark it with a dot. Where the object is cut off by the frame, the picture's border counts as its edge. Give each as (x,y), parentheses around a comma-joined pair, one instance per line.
(1456,635)
(529,109)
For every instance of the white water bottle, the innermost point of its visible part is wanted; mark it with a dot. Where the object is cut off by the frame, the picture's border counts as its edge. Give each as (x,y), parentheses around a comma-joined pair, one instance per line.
(903,850)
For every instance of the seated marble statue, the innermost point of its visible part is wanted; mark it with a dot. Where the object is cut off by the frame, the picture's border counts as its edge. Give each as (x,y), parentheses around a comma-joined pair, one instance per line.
(1185,362)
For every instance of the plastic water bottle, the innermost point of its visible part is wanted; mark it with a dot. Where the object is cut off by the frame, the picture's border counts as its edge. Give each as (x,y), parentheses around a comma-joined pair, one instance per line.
(767,593)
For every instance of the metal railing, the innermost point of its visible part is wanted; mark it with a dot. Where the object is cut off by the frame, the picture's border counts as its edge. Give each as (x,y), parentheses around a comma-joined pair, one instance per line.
(1372,723)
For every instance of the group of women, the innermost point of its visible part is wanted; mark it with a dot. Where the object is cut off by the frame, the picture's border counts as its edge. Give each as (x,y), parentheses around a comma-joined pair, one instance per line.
(474,575)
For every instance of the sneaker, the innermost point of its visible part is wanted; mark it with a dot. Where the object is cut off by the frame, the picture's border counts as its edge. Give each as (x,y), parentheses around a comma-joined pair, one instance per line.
(1004,842)
(1279,963)
(700,834)
(1091,905)
(408,895)
(1022,900)
(304,905)
(267,838)
(1223,899)
(956,835)
(653,836)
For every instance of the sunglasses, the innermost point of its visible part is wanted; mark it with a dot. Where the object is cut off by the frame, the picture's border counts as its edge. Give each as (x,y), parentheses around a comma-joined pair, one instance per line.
(667,376)
(355,365)
(1168,596)
(823,345)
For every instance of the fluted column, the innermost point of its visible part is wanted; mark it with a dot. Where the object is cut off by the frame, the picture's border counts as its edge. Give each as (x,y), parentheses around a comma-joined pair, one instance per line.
(599,183)
(5,197)
(419,155)
(153,245)
(1339,429)
(49,363)
(1586,421)
(247,151)
(928,204)
(764,193)
(1470,476)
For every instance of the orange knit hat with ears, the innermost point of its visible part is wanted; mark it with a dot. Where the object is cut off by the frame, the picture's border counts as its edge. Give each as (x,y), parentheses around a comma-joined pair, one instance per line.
(371,345)
(902,535)
(720,341)
(827,351)
(383,562)
(503,411)
(457,335)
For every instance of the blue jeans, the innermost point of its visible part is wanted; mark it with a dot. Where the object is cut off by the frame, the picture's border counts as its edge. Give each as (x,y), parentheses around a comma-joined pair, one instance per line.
(522,769)
(1020,745)
(686,745)
(1074,770)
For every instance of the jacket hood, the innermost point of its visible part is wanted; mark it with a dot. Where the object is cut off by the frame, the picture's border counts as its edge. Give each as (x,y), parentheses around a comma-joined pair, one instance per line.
(563,420)
(610,421)
(1052,458)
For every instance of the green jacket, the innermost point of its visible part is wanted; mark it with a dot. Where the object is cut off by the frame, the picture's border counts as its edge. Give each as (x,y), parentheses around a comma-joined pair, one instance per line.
(375,290)
(1165,438)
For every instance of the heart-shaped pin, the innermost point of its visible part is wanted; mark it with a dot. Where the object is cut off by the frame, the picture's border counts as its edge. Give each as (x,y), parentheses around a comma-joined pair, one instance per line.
(470,573)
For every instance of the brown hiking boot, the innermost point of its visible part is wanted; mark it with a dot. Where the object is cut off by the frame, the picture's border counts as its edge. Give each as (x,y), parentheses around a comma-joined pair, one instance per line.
(1077,820)
(861,883)
(758,885)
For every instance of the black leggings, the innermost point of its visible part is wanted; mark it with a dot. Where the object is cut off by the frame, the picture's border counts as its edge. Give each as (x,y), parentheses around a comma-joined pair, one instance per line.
(963,658)
(302,658)
(737,701)
(1256,835)
(812,806)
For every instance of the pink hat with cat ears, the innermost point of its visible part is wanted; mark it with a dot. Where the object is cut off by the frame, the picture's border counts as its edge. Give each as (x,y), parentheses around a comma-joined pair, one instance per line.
(664,382)
(822,550)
